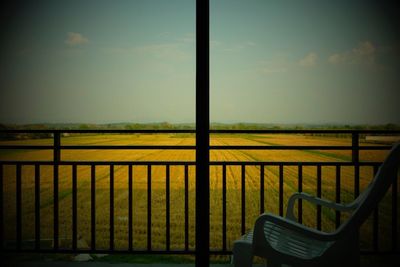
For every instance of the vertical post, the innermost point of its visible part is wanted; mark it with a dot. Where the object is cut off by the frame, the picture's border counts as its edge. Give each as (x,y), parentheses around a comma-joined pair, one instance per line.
(224,207)
(186,207)
(355,158)
(1,209)
(281,190)
(202,133)
(337,199)
(93,206)
(149,207)
(375,223)
(354,147)
(262,189)
(243,187)
(111,207)
(37,206)
(74,208)
(300,189)
(394,215)
(167,207)
(18,207)
(319,194)
(130,209)
(56,159)
(57,144)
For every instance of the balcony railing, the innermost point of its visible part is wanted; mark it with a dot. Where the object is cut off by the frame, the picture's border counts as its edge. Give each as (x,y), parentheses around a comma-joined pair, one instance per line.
(253,186)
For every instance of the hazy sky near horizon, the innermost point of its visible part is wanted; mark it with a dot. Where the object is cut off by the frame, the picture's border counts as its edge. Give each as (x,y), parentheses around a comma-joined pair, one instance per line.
(134,61)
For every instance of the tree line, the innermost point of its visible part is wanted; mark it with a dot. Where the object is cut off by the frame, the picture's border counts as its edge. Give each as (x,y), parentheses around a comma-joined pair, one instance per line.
(181,126)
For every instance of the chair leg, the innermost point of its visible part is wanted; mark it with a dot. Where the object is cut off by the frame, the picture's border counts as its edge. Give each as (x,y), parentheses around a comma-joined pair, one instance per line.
(242,254)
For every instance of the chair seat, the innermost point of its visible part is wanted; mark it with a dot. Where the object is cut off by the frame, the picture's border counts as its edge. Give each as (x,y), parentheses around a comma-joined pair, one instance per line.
(292,243)
(281,242)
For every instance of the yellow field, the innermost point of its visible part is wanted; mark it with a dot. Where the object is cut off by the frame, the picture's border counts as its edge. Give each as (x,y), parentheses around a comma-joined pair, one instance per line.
(177,185)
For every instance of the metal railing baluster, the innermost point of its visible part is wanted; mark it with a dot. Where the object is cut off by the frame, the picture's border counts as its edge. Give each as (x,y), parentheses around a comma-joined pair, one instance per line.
(111,207)
(149,207)
(394,215)
(243,188)
(1,207)
(18,206)
(56,163)
(319,191)
(224,207)
(262,189)
(130,208)
(281,190)
(93,206)
(167,208)
(37,206)
(337,196)
(186,207)
(56,159)
(74,207)
(300,189)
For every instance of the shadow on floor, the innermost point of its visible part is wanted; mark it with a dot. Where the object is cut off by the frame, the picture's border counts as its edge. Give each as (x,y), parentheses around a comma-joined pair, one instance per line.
(62,260)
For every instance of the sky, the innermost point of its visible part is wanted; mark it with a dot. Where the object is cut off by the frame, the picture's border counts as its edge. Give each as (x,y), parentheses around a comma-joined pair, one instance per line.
(280,61)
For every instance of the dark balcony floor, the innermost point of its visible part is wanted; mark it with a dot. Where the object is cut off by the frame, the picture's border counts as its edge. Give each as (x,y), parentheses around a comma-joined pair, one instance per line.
(102,264)
(366,261)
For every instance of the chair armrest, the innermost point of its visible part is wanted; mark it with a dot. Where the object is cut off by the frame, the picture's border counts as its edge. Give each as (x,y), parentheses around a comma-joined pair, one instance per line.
(291,226)
(317,201)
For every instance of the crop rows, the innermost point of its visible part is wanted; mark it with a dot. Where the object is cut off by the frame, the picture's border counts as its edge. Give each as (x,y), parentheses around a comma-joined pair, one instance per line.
(177,189)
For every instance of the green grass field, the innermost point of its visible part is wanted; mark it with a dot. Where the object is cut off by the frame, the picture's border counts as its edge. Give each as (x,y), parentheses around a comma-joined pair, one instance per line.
(177,185)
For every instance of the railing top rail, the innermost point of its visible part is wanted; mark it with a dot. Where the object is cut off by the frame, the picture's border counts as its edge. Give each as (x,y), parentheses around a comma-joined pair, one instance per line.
(192,147)
(294,131)
(192,163)
(98,131)
(272,131)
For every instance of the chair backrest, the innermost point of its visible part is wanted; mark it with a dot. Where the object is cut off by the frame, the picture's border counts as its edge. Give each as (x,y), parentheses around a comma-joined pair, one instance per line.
(376,190)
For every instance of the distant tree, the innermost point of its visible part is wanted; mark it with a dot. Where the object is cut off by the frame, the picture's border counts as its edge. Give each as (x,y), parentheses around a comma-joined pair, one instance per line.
(390,126)
(165,125)
(39,135)
(83,126)
(358,127)
(6,136)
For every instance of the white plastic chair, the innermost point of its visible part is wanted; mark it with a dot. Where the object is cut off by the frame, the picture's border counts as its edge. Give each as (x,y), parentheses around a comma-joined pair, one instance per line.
(283,241)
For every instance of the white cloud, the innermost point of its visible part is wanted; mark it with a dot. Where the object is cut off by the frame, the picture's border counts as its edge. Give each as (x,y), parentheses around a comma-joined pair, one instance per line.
(364,49)
(363,54)
(164,34)
(309,60)
(187,38)
(337,58)
(173,51)
(236,47)
(273,66)
(163,51)
(214,43)
(268,70)
(74,38)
